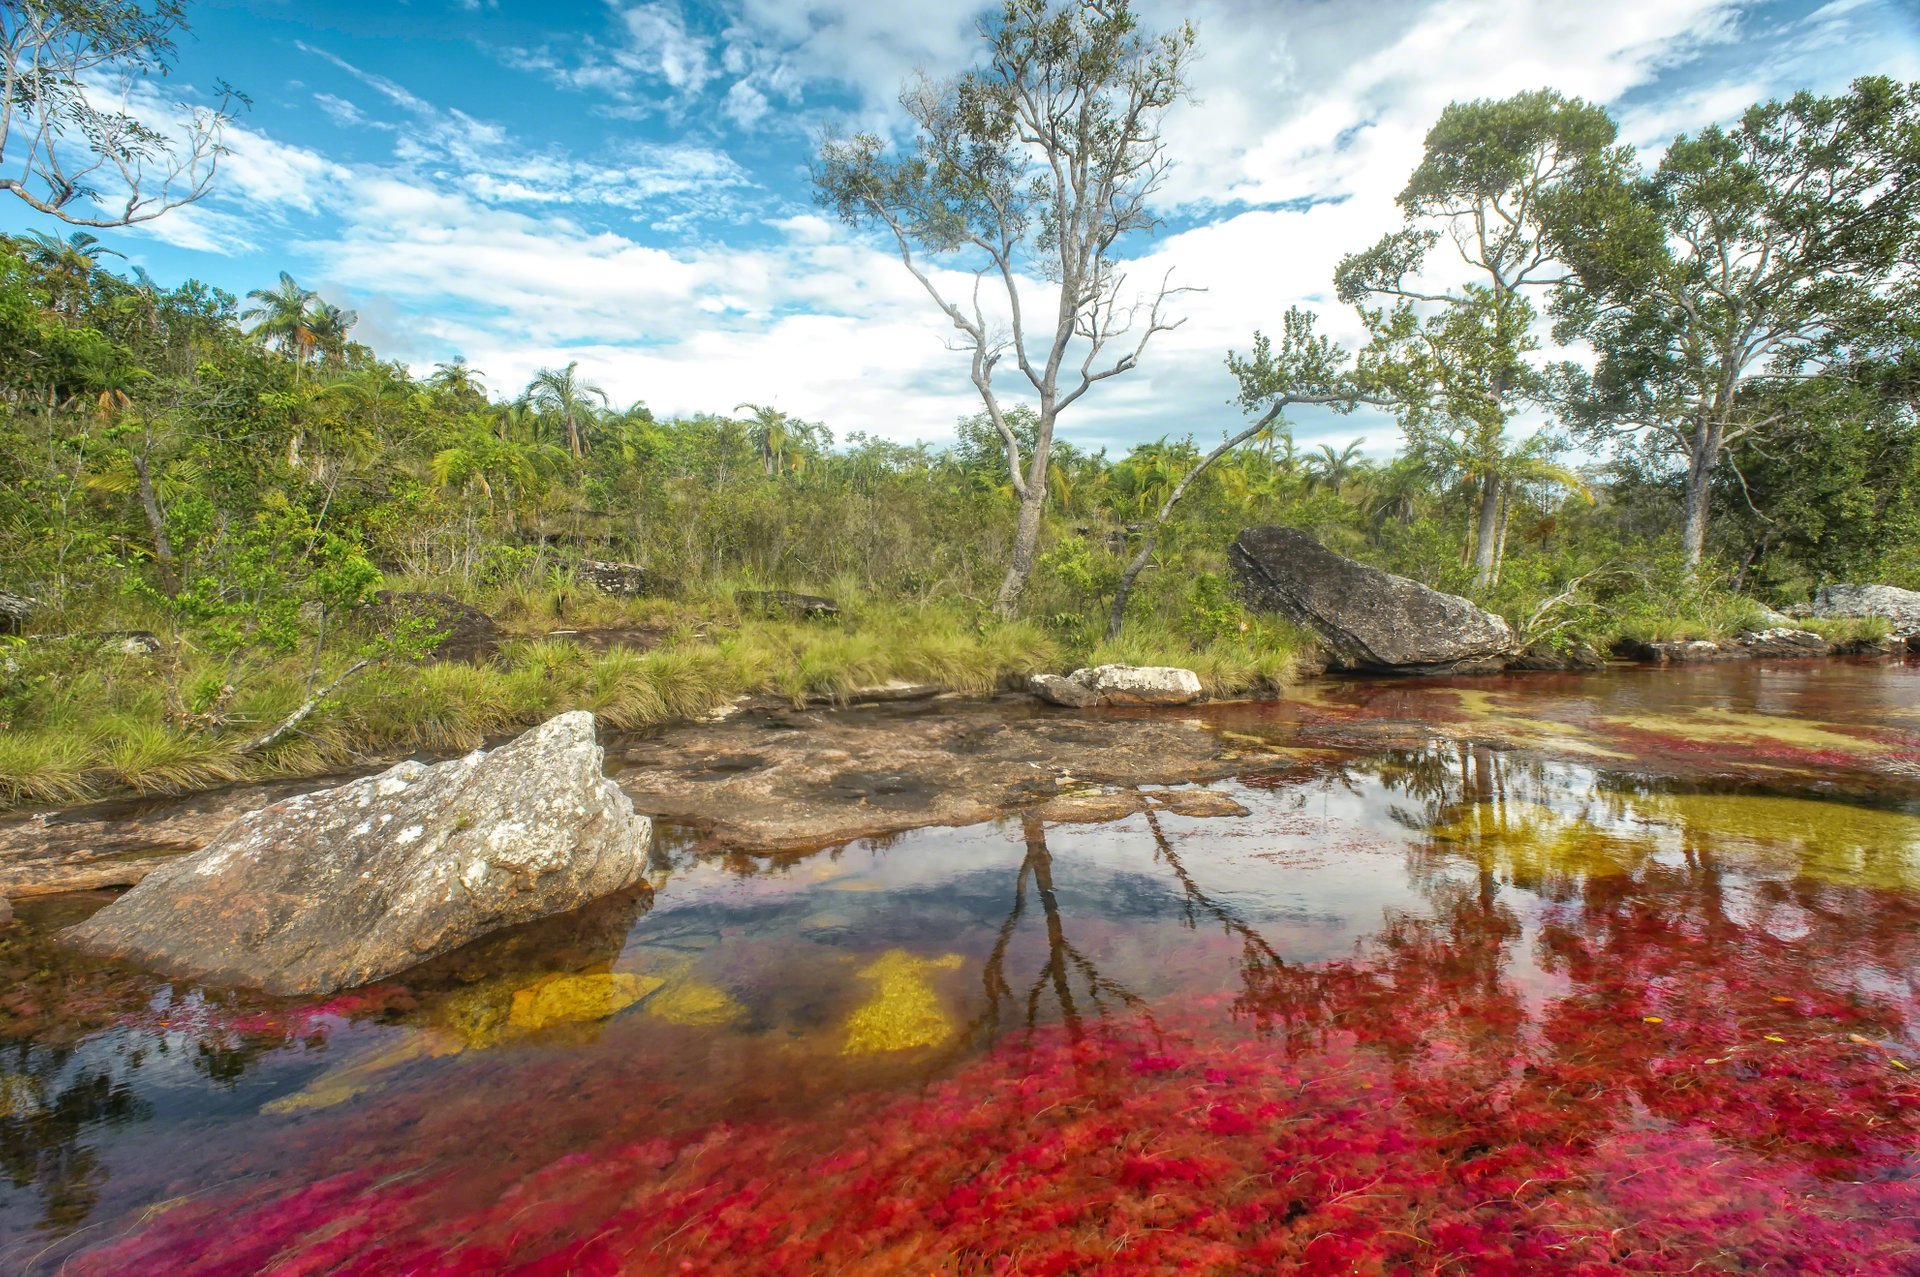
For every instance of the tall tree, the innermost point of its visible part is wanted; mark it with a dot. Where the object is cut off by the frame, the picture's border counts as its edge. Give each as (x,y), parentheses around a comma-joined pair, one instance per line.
(1455,358)
(1037,167)
(563,394)
(71,143)
(282,317)
(1727,271)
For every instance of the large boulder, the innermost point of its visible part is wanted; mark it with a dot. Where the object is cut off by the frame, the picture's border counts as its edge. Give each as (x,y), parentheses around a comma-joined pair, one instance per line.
(350,885)
(1119,685)
(1901,608)
(1368,619)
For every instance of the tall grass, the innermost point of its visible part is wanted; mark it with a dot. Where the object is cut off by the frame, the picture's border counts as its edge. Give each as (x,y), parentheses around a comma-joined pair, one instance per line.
(83,723)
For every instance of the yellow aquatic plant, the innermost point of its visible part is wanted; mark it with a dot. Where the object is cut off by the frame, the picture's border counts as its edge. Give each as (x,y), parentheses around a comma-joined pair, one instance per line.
(1836,842)
(904,1011)
(1529,842)
(689,1001)
(575,999)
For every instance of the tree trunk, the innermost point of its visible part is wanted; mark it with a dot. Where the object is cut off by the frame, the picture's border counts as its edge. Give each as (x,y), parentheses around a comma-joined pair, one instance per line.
(1704,456)
(156,526)
(1486,546)
(1026,544)
(1026,530)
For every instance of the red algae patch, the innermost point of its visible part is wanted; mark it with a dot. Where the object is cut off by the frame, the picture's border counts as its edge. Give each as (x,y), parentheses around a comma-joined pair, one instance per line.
(1436,1005)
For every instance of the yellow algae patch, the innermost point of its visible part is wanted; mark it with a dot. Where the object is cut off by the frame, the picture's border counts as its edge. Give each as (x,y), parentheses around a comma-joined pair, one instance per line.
(1529,842)
(19,1095)
(344,1081)
(1527,724)
(1840,843)
(1716,724)
(576,999)
(904,1011)
(484,1014)
(694,1002)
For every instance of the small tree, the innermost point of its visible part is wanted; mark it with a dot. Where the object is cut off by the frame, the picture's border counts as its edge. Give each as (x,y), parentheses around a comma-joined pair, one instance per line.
(1725,274)
(1455,359)
(64,154)
(1040,164)
(1306,369)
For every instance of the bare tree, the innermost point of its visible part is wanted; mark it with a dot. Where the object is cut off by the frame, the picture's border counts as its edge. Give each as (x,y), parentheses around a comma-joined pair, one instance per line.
(1039,164)
(71,144)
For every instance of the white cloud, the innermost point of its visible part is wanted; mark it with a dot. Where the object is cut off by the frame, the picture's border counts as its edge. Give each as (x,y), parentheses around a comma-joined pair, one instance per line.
(1308,121)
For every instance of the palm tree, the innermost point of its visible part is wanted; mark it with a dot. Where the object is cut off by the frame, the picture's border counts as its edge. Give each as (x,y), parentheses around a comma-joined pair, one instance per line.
(561,393)
(282,317)
(329,325)
(459,380)
(1335,468)
(68,264)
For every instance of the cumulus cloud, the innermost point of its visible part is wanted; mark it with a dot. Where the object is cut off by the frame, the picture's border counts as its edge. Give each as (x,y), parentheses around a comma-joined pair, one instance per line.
(1307,121)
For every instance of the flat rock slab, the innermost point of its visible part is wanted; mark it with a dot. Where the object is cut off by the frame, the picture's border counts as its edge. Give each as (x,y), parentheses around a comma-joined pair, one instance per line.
(798,781)
(118,842)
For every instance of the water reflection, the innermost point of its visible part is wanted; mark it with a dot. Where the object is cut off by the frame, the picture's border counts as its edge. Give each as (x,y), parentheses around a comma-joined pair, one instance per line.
(1447,962)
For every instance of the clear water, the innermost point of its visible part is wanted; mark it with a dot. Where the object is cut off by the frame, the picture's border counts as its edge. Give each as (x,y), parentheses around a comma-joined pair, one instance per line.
(1559,974)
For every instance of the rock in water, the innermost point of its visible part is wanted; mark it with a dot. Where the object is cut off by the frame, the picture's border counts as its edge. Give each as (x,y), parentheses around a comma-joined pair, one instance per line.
(1899,607)
(351,885)
(1369,619)
(1119,685)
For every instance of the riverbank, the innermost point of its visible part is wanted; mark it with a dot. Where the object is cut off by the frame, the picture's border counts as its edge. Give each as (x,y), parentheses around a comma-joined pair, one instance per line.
(89,718)
(775,778)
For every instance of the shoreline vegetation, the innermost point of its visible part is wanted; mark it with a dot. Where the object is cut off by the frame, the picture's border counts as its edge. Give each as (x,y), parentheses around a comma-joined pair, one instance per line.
(99,725)
(204,498)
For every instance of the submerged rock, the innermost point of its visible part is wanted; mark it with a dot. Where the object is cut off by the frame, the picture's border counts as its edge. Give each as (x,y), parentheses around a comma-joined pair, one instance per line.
(1367,618)
(1119,685)
(349,885)
(904,1012)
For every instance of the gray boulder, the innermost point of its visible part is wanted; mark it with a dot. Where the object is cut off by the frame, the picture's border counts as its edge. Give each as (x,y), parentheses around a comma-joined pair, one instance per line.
(1119,685)
(14,611)
(1368,619)
(1899,607)
(623,580)
(353,884)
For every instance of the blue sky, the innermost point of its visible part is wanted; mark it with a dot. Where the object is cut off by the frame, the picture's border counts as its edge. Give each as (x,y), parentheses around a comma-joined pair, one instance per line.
(624,181)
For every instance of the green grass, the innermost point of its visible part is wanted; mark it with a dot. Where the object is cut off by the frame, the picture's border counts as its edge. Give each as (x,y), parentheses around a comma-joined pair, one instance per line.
(83,724)
(1847,629)
(1264,657)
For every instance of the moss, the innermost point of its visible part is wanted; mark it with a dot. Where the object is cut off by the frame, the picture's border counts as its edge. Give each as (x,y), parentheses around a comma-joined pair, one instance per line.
(1832,842)
(904,1012)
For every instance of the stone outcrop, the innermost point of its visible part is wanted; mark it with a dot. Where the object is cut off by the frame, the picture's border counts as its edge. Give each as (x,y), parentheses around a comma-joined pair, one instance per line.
(350,885)
(1368,619)
(14,611)
(1900,608)
(1774,643)
(786,603)
(466,633)
(624,580)
(1119,685)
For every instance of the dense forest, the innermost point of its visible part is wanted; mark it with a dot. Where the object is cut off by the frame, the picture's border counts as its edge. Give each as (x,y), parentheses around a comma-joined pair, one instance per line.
(238,478)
